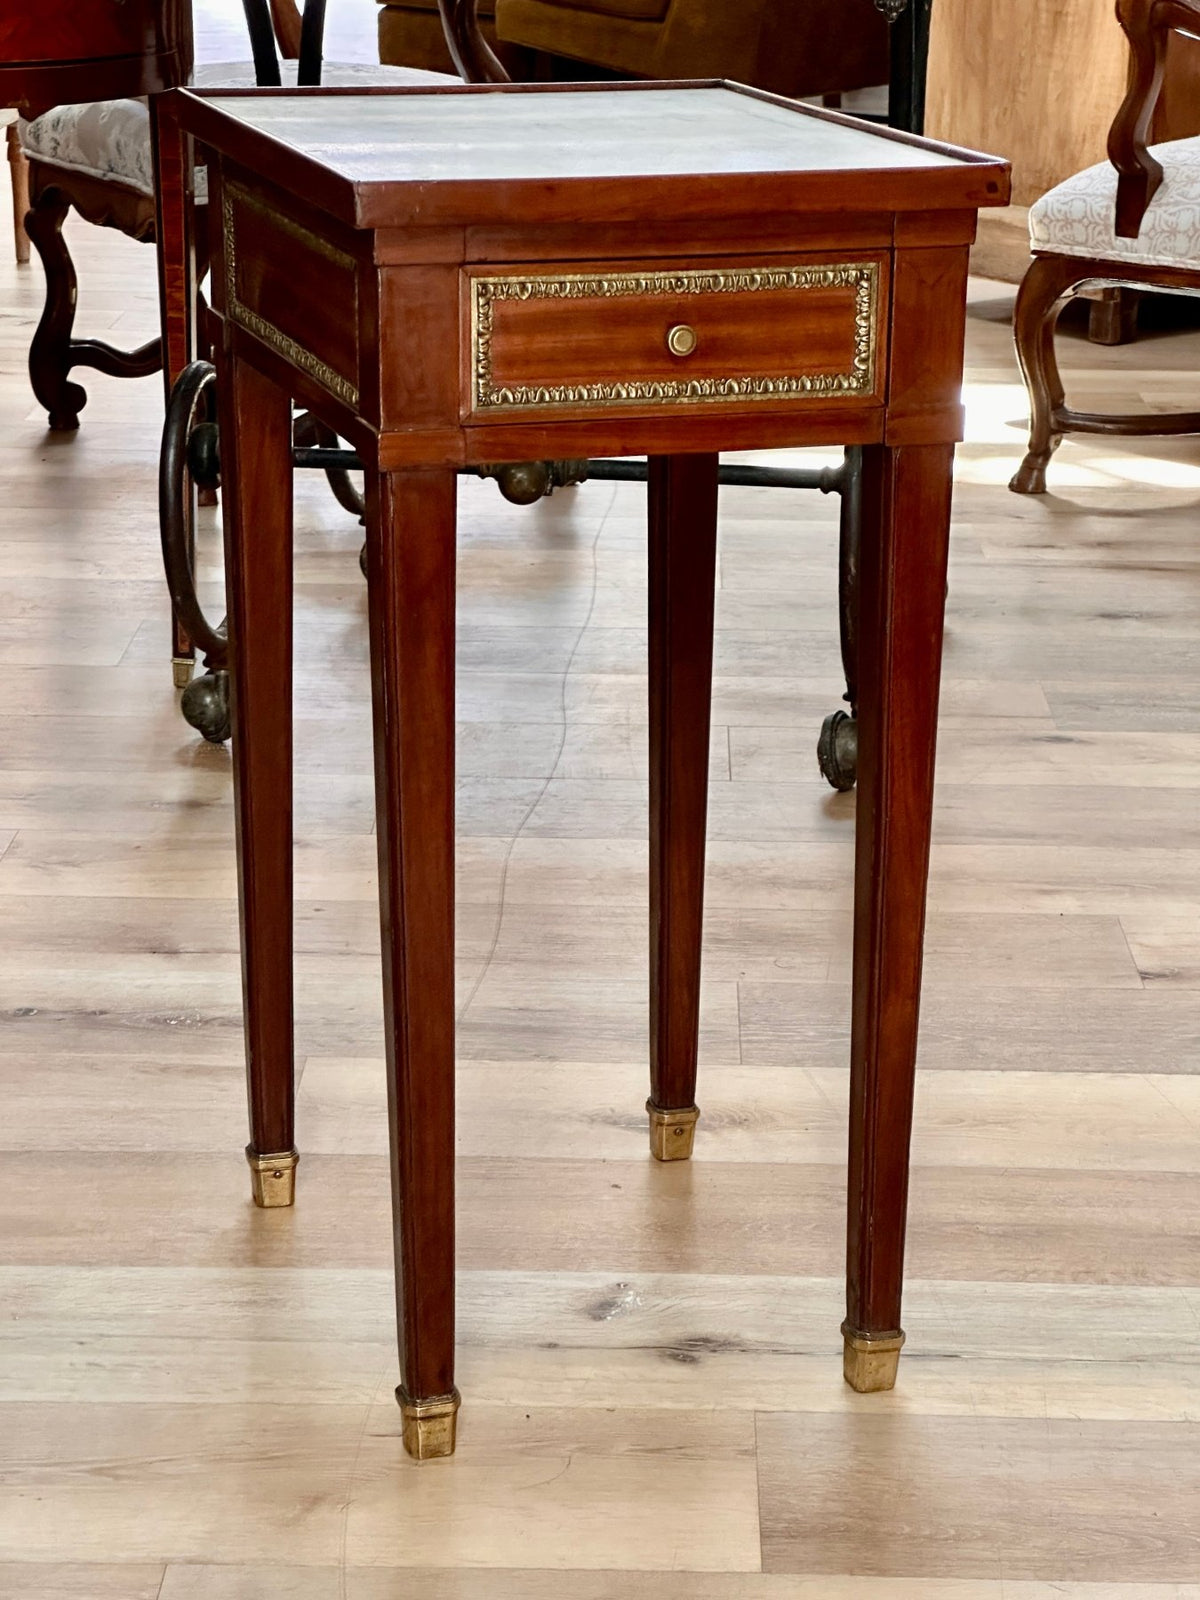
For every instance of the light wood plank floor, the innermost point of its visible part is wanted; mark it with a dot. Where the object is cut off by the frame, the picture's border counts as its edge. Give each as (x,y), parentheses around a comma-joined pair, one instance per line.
(196,1397)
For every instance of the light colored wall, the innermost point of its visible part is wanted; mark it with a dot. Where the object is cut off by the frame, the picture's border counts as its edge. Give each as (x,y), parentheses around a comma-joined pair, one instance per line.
(1038,81)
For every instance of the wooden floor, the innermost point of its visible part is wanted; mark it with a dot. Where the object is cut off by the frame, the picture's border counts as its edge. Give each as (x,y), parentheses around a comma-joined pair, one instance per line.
(197,1396)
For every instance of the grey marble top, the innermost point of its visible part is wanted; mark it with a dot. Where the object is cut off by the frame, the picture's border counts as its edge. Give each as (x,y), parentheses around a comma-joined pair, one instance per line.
(606,133)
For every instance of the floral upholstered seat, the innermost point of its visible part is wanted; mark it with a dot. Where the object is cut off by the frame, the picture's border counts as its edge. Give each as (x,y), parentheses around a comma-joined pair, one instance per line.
(1077,218)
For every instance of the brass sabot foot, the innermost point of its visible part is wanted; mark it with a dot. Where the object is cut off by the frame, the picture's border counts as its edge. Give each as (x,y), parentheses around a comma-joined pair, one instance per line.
(672,1133)
(870,1364)
(182,670)
(273,1177)
(429,1425)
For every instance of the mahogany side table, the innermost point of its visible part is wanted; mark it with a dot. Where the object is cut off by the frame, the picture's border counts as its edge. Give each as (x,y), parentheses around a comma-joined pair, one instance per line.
(470,275)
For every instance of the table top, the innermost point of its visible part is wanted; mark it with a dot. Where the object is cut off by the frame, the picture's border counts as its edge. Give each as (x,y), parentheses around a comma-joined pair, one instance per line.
(463,154)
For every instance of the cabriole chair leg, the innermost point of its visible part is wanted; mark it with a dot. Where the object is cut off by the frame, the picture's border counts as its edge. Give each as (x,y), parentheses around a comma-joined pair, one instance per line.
(50,352)
(1043,287)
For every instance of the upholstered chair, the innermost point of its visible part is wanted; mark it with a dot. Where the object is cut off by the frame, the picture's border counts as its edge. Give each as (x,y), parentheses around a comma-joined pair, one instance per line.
(1133,220)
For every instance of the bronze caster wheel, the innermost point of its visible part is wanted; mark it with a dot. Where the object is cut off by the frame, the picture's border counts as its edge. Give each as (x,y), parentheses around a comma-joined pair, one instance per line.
(205,706)
(524,483)
(837,751)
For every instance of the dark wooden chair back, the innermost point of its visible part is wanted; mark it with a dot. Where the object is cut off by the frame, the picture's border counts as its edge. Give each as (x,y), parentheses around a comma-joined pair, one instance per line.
(279,28)
(1148,25)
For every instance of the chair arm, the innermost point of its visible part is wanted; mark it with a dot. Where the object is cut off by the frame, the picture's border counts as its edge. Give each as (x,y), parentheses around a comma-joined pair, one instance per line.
(1147,25)
(474,58)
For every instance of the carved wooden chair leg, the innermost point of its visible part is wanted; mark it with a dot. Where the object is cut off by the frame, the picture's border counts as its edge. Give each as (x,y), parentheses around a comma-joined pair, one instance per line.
(54,351)
(50,352)
(1038,306)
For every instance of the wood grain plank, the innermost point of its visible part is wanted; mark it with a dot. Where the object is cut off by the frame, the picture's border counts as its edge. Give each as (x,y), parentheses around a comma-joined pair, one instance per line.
(666,1313)
(1117,1121)
(308,1583)
(1166,950)
(1062,1030)
(77,1581)
(996,1223)
(1022,1499)
(134,1486)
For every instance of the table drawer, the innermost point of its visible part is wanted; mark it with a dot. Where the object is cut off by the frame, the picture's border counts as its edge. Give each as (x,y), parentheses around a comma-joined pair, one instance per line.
(727,335)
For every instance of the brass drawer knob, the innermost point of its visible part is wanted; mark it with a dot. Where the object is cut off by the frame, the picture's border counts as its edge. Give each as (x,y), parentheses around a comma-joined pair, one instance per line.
(682,340)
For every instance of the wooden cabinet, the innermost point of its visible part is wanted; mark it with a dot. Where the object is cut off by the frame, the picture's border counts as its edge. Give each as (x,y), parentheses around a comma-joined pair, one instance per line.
(1039,81)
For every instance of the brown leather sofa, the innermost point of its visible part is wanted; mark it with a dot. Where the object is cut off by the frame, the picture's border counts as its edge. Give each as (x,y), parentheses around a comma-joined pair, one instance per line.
(794,47)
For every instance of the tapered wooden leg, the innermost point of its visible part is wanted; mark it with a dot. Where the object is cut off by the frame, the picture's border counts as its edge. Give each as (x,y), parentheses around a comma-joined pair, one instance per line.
(902,574)
(255,421)
(683,547)
(19,168)
(411,568)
